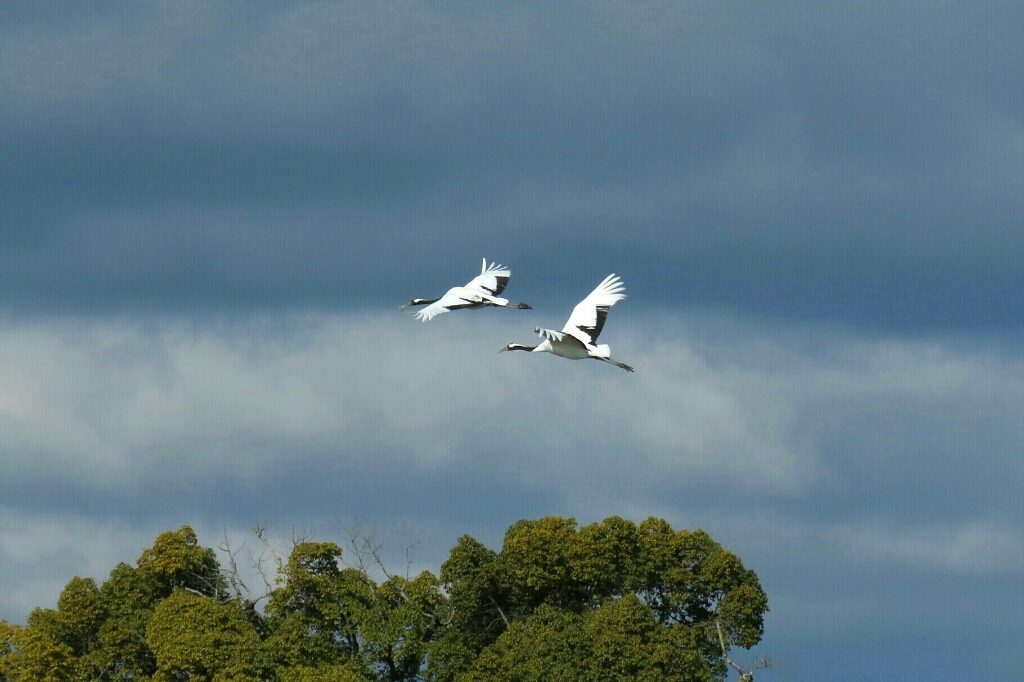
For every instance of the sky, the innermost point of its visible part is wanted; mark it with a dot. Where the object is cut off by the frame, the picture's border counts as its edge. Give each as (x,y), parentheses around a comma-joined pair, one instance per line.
(210,213)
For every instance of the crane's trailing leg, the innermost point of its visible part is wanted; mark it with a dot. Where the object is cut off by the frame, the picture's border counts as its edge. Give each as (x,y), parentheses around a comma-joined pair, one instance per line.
(616,363)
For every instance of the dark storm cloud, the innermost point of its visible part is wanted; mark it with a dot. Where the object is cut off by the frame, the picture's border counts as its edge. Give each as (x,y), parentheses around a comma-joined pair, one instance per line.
(814,161)
(351,483)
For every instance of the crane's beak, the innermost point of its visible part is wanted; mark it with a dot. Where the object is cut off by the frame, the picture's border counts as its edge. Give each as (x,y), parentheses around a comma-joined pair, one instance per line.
(503,349)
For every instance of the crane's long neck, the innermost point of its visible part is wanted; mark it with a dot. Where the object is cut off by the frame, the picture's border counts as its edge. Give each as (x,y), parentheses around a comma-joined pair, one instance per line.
(519,346)
(421,301)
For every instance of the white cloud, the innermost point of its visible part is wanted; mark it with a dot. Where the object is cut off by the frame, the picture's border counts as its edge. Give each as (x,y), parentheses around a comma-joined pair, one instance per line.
(104,399)
(977,548)
(40,553)
(99,397)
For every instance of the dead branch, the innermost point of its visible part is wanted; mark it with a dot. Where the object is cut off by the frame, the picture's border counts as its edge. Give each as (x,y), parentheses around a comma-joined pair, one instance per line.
(744,675)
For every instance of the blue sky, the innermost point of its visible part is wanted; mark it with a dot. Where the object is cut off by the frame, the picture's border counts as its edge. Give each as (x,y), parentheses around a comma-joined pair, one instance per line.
(211,211)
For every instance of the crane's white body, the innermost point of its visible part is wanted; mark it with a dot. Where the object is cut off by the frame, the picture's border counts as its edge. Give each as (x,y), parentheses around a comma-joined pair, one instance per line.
(568,346)
(577,339)
(480,292)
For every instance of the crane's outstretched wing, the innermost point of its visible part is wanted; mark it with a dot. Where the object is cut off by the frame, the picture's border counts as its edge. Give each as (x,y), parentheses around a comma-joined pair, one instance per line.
(549,334)
(492,279)
(588,317)
(559,337)
(456,299)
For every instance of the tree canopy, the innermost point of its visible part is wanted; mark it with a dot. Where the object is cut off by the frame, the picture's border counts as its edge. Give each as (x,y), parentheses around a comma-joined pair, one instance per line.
(613,600)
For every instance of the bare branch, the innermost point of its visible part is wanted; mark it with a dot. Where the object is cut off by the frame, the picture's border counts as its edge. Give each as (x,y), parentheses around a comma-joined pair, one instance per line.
(744,675)
(103,674)
(232,573)
(268,565)
(259,564)
(365,548)
(301,537)
(409,547)
(260,531)
(198,593)
(502,613)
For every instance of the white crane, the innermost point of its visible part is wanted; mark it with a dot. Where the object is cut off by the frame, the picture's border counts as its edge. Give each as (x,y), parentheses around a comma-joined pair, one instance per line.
(479,292)
(578,337)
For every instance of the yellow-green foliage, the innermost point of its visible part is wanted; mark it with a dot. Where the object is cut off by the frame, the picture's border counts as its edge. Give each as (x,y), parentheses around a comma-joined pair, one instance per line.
(177,560)
(324,673)
(548,645)
(620,640)
(31,654)
(644,596)
(195,638)
(80,613)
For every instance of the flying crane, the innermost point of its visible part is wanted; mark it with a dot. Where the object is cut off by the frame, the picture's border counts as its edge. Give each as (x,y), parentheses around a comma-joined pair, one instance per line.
(577,340)
(480,292)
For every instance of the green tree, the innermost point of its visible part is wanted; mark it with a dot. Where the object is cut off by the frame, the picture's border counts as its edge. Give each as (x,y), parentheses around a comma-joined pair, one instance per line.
(177,561)
(81,611)
(327,615)
(122,652)
(627,643)
(32,654)
(131,594)
(75,624)
(99,633)
(321,673)
(398,621)
(310,616)
(620,640)
(193,637)
(609,601)
(550,644)
(482,606)
(681,585)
